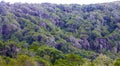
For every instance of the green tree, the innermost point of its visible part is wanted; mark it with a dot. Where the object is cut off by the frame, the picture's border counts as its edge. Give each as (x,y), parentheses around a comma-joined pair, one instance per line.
(2,62)
(70,60)
(117,62)
(102,60)
(49,53)
(24,60)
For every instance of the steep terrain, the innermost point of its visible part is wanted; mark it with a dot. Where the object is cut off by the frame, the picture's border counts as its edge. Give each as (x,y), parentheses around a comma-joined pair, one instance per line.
(87,30)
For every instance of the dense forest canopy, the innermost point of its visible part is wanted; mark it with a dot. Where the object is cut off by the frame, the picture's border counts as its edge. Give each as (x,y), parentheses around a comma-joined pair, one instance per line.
(59,35)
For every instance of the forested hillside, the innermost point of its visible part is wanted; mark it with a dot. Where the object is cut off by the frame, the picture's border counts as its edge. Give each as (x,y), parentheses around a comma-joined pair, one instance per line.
(59,34)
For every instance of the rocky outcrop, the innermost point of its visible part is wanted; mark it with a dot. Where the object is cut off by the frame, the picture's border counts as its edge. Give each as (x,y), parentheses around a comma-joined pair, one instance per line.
(98,45)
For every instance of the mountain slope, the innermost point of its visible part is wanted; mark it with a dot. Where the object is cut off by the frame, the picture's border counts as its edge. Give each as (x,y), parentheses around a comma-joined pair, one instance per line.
(70,28)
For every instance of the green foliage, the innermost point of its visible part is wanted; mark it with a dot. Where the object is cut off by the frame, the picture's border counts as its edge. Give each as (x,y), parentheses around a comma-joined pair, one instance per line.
(70,60)
(102,60)
(42,61)
(48,53)
(2,61)
(117,62)
(27,61)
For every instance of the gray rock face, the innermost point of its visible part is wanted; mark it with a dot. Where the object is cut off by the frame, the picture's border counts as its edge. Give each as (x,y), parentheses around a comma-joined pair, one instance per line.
(103,43)
(97,45)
